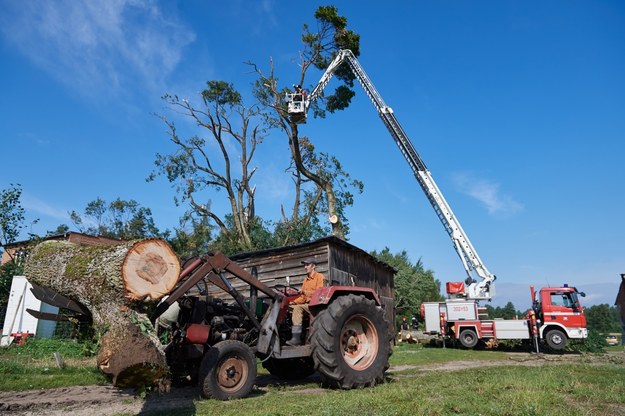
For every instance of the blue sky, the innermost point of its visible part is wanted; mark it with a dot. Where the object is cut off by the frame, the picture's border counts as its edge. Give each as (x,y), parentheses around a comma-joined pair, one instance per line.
(517,108)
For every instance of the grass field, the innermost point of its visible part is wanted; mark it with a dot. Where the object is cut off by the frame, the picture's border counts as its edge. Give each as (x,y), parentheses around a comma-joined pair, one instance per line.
(585,386)
(421,381)
(33,366)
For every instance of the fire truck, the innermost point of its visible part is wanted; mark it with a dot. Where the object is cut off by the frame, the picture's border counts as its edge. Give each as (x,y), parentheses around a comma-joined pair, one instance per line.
(556,313)
(555,317)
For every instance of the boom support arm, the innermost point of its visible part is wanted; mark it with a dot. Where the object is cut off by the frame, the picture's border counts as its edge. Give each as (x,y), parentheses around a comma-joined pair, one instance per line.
(476,289)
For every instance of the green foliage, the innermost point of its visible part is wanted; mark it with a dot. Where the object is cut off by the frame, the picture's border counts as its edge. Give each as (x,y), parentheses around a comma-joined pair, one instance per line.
(594,343)
(7,271)
(126,220)
(143,323)
(222,94)
(11,214)
(602,319)
(321,48)
(340,100)
(218,159)
(60,229)
(330,169)
(506,312)
(230,243)
(413,283)
(192,237)
(298,230)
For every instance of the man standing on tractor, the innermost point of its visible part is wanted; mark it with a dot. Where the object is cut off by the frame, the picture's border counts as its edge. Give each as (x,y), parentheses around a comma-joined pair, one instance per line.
(299,305)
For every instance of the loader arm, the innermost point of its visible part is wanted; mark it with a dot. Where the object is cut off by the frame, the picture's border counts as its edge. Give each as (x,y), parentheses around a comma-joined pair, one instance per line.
(213,268)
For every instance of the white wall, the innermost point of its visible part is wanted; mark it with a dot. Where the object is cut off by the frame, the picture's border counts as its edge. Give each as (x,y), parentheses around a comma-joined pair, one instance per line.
(17,319)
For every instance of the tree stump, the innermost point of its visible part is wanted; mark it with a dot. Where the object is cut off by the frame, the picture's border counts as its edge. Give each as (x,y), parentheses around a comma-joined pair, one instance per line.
(111,281)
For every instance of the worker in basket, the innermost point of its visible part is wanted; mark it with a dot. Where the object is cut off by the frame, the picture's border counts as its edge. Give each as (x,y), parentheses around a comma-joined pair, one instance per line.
(300,93)
(299,305)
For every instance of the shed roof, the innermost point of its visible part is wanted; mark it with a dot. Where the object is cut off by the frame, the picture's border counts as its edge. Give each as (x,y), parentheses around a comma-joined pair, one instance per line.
(67,236)
(332,240)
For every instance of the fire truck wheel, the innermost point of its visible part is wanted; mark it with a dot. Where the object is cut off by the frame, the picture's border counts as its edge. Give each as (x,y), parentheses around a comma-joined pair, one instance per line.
(351,343)
(290,368)
(555,339)
(228,371)
(468,338)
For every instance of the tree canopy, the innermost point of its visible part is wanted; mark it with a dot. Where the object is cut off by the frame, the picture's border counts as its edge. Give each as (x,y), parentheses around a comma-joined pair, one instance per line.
(215,160)
(413,283)
(506,312)
(603,319)
(122,219)
(11,214)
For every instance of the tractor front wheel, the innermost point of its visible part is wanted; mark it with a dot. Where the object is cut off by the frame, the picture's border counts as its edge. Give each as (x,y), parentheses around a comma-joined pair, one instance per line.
(228,371)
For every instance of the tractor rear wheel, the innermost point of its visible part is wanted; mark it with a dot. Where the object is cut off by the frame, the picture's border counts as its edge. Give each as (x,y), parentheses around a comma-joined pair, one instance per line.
(228,371)
(351,343)
(290,368)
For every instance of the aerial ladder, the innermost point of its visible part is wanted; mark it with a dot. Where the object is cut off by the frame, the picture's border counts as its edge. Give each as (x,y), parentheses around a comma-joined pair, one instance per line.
(298,105)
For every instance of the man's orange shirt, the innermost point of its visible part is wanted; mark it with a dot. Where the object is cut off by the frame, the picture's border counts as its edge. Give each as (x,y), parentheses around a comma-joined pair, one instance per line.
(311,283)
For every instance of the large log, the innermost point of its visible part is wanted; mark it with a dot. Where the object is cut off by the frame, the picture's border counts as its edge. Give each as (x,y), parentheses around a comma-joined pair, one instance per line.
(110,281)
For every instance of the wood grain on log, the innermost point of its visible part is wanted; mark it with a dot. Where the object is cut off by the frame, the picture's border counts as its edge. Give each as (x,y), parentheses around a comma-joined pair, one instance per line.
(150,269)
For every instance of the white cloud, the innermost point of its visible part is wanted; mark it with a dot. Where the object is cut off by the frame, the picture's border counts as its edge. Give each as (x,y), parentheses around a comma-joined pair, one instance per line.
(488,193)
(276,185)
(97,47)
(37,207)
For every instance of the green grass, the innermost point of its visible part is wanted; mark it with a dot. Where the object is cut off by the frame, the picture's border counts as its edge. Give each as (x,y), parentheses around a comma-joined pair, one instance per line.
(416,354)
(588,384)
(580,388)
(566,390)
(32,366)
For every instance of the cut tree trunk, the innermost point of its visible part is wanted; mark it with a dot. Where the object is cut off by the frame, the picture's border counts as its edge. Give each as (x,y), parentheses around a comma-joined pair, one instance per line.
(110,281)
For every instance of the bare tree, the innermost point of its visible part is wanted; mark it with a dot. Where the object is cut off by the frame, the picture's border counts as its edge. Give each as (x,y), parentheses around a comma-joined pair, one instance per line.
(195,166)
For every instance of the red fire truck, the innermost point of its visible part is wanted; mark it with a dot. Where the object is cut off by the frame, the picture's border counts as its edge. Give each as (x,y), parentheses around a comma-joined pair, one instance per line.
(555,317)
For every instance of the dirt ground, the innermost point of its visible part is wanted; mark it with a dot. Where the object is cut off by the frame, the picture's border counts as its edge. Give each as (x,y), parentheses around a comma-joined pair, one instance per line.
(108,400)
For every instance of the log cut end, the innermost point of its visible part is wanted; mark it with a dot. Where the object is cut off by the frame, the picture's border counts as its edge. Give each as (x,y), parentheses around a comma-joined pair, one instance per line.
(150,270)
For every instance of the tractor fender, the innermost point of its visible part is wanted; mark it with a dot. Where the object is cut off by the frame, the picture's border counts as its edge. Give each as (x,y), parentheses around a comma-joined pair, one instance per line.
(325,295)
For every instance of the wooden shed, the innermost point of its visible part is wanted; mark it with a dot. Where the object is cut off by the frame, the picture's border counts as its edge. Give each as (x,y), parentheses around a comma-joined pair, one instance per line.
(343,264)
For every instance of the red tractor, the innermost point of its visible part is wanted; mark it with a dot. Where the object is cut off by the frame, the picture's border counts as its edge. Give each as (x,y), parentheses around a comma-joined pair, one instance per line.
(215,343)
